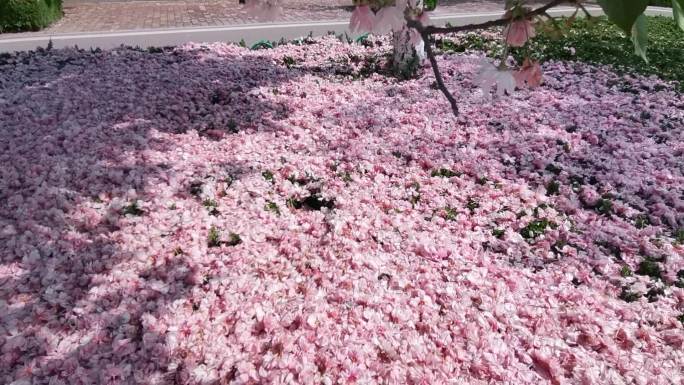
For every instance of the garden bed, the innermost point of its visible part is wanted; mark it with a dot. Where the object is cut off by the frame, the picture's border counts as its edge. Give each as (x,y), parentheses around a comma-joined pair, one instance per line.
(209,214)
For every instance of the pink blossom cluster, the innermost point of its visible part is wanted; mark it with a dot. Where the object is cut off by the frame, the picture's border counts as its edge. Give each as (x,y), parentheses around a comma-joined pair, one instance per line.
(214,215)
(518,32)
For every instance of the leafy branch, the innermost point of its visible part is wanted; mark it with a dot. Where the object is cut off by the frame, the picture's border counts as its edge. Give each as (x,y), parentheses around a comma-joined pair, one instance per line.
(432,30)
(427,31)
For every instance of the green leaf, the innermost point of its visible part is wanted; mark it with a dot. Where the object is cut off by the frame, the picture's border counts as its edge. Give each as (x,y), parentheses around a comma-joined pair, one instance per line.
(623,13)
(640,37)
(678,12)
(429,5)
(262,44)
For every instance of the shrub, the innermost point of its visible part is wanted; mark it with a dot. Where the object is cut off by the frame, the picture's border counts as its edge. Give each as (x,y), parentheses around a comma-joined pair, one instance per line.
(28,15)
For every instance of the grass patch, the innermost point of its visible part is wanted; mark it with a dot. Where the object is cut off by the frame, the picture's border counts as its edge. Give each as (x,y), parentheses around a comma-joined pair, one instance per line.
(133,209)
(211,205)
(679,236)
(196,188)
(628,295)
(472,205)
(214,237)
(641,221)
(604,206)
(553,188)
(625,271)
(444,173)
(595,41)
(268,175)
(272,207)
(233,239)
(653,293)
(312,202)
(536,228)
(450,213)
(649,268)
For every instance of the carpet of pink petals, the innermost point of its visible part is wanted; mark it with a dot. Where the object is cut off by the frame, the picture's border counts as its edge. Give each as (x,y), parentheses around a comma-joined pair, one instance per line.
(362,234)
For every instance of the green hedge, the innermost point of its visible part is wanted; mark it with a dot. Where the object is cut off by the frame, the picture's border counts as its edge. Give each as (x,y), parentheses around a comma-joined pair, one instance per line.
(28,15)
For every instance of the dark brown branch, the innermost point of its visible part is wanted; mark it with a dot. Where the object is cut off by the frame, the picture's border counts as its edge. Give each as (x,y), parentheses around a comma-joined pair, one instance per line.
(438,76)
(426,31)
(487,24)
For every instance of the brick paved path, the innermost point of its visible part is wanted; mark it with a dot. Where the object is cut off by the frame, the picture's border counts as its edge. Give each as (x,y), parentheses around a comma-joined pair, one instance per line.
(107,15)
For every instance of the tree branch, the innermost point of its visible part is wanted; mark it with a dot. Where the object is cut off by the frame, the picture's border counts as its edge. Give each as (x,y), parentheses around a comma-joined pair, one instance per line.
(426,31)
(487,24)
(438,75)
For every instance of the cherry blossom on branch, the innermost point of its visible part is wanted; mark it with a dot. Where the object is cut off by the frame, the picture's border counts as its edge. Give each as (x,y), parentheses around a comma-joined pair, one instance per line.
(385,16)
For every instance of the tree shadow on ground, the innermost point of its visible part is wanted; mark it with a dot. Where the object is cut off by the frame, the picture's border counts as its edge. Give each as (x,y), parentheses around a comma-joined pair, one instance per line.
(86,136)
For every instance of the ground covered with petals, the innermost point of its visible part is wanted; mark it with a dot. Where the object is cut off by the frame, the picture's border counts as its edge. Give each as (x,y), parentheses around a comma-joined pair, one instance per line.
(213,215)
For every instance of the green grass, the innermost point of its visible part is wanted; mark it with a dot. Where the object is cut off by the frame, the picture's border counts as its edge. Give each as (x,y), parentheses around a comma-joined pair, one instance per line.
(444,173)
(28,15)
(597,42)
